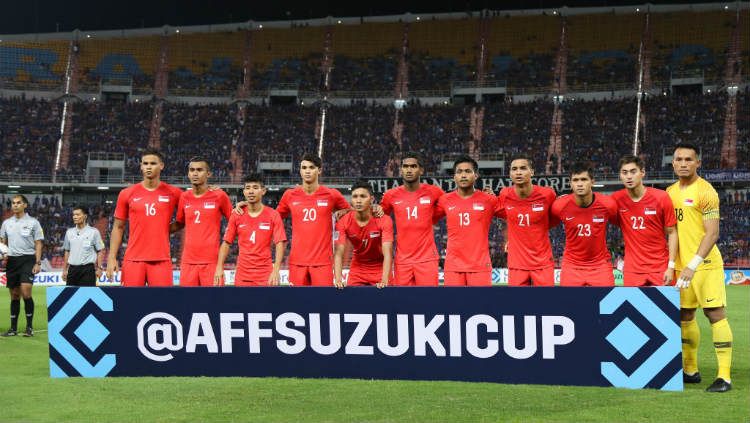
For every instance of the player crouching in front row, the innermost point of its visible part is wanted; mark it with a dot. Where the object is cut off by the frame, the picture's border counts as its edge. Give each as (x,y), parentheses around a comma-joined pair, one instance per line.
(371,238)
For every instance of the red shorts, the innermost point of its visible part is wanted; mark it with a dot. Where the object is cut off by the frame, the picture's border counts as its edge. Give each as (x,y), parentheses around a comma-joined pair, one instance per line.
(197,274)
(643,279)
(594,276)
(256,277)
(311,275)
(467,278)
(416,274)
(151,273)
(365,277)
(536,277)
(251,283)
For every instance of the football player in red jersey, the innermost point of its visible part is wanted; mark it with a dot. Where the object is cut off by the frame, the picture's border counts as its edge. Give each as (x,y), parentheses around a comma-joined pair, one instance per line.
(526,209)
(200,211)
(148,206)
(413,207)
(645,214)
(468,213)
(257,229)
(371,238)
(584,214)
(311,207)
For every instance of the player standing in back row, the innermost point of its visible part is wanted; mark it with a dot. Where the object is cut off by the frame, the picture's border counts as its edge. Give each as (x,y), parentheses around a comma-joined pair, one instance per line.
(413,207)
(468,214)
(644,216)
(199,211)
(584,214)
(311,207)
(526,208)
(699,267)
(148,206)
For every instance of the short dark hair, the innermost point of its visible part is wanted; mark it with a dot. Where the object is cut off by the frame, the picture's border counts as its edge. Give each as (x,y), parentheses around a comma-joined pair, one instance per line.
(413,155)
(312,158)
(687,146)
(522,156)
(363,184)
(581,167)
(83,209)
(254,177)
(466,159)
(153,152)
(629,158)
(200,159)
(22,197)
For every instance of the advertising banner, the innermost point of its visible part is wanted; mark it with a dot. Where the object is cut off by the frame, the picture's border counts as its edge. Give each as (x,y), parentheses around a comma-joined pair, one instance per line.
(622,337)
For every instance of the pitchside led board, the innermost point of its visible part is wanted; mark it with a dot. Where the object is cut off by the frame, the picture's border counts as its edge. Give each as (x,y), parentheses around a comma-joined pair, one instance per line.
(623,337)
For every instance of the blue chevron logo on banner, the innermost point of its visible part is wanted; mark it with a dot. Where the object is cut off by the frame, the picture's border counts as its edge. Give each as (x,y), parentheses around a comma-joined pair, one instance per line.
(91,332)
(628,339)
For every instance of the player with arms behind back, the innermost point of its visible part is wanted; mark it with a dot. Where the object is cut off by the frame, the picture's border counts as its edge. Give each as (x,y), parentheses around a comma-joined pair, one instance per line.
(148,206)
(644,215)
(413,207)
(584,214)
(526,209)
(200,211)
(372,239)
(699,267)
(257,229)
(468,214)
(311,208)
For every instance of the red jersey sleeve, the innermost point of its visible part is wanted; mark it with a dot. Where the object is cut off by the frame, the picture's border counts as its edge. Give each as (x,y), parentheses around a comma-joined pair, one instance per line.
(225,205)
(340,235)
(176,192)
(385,203)
(667,208)
(554,214)
(231,232)
(611,209)
(122,208)
(500,206)
(439,209)
(339,202)
(436,192)
(283,207)
(180,217)
(279,234)
(386,229)
(550,198)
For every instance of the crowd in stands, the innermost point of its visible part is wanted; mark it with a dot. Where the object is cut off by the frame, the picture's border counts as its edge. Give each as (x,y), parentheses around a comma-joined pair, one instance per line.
(361,139)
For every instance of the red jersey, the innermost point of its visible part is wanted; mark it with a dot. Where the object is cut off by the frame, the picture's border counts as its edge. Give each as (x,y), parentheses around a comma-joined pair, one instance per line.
(529,247)
(367,240)
(585,229)
(468,221)
(148,214)
(202,219)
(413,213)
(312,223)
(642,224)
(256,236)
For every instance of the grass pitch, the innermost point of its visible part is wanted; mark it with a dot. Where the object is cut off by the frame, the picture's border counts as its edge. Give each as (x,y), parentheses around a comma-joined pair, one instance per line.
(29,395)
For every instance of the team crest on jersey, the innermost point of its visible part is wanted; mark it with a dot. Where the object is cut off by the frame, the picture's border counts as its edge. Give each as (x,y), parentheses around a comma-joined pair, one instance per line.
(163,198)
(597,219)
(322,203)
(478,206)
(537,207)
(264,226)
(209,205)
(650,211)
(374,234)
(424,200)
(688,202)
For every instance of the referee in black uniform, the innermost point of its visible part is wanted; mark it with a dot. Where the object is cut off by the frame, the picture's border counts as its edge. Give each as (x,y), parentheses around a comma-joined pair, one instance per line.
(84,249)
(24,237)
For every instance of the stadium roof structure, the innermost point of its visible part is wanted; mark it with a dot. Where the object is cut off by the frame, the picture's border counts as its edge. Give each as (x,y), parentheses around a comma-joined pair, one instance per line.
(554,8)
